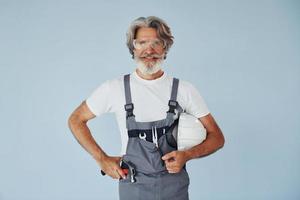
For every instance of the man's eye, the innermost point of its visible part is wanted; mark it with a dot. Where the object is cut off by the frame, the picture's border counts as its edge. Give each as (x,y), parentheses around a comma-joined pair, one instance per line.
(142,42)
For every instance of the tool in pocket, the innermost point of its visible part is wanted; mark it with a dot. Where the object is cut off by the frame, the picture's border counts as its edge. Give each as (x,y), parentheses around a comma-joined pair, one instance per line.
(128,169)
(154,136)
(142,137)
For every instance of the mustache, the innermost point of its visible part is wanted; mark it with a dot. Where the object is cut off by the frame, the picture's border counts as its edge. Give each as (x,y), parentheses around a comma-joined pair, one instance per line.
(151,56)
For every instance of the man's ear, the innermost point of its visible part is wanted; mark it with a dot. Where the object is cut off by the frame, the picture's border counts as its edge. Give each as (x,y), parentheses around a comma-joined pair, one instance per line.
(133,53)
(165,55)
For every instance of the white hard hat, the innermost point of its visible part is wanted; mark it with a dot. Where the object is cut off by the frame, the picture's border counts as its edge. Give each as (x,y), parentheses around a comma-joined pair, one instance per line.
(190,132)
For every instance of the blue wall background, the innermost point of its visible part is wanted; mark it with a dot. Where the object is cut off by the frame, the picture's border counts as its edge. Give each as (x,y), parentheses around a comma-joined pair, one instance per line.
(243,56)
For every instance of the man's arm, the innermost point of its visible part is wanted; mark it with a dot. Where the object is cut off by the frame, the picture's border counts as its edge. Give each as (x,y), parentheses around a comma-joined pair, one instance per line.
(214,141)
(78,125)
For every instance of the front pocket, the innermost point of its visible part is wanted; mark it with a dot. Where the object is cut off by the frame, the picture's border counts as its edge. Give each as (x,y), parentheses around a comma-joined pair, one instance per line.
(165,145)
(171,140)
(149,145)
(144,156)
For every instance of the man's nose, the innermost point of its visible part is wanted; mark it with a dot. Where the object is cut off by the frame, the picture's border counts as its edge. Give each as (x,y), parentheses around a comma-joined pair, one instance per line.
(149,49)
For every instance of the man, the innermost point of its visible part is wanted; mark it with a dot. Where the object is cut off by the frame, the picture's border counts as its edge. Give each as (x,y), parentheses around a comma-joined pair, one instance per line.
(147,104)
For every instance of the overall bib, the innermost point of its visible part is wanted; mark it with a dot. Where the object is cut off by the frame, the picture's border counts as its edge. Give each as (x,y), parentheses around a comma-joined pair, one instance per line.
(147,143)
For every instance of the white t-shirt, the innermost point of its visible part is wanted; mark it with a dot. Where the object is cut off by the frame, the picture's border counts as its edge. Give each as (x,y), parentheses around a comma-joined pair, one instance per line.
(150,99)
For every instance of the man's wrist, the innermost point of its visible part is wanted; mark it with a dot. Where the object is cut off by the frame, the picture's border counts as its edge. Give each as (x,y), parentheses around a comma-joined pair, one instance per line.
(188,155)
(99,157)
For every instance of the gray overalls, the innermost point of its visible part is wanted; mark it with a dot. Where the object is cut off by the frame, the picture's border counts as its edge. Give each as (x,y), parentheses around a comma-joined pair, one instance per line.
(148,178)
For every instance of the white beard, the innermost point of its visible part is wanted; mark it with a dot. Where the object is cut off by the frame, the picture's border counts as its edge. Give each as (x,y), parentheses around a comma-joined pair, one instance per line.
(150,68)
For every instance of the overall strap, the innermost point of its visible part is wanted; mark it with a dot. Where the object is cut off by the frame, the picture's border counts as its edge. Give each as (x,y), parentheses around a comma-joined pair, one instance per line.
(129,105)
(173,100)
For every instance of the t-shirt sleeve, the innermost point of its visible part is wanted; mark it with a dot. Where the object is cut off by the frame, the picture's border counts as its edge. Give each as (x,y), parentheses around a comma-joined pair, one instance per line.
(100,100)
(195,103)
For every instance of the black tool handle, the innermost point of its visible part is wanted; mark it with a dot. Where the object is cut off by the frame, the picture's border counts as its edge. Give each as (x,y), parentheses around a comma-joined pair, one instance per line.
(123,166)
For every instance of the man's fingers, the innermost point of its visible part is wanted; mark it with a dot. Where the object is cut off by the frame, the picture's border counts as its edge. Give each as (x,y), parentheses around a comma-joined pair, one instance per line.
(170,163)
(116,174)
(169,155)
(172,167)
(121,172)
(173,171)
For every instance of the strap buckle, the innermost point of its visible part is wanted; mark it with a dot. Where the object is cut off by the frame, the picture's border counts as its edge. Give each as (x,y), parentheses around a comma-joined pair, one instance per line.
(129,109)
(172,106)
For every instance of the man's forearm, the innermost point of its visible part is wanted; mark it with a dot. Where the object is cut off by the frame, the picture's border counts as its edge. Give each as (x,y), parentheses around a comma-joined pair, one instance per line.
(84,137)
(208,146)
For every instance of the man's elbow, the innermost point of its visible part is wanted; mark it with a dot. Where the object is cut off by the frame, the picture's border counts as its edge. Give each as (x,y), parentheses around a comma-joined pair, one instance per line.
(221,141)
(73,120)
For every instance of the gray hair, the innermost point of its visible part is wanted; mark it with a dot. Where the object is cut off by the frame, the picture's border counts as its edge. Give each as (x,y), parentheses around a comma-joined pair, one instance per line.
(162,29)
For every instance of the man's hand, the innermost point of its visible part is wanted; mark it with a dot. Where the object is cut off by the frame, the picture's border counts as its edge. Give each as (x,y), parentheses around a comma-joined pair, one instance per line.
(111,166)
(175,160)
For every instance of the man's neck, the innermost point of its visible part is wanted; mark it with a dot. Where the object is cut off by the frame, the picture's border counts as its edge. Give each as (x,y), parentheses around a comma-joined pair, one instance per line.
(150,76)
